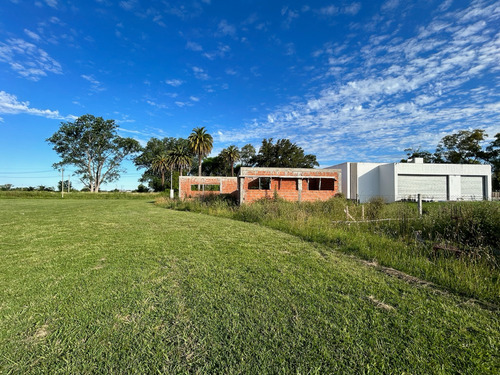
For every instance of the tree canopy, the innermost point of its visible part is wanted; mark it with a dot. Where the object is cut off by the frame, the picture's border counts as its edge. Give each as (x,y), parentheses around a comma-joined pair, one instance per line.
(413,153)
(179,157)
(150,152)
(464,147)
(215,166)
(161,164)
(247,154)
(231,155)
(283,154)
(493,157)
(201,144)
(92,145)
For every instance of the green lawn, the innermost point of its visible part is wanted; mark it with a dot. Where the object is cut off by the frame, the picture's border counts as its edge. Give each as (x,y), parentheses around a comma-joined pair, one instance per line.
(123,286)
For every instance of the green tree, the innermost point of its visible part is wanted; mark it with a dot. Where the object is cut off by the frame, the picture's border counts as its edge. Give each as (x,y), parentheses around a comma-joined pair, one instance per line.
(201,143)
(67,186)
(493,157)
(161,164)
(215,166)
(283,154)
(463,147)
(179,157)
(413,153)
(247,155)
(145,159)
(93,146)
(231,155)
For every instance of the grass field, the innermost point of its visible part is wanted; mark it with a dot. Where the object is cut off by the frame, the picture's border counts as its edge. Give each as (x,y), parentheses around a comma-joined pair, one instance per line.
(471,227)
(124,286)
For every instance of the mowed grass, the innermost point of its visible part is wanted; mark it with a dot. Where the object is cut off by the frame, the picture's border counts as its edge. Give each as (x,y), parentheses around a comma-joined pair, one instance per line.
(123,286)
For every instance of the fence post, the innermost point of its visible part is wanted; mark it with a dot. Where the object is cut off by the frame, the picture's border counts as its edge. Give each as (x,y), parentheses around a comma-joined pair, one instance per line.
(362,212)
(419,205)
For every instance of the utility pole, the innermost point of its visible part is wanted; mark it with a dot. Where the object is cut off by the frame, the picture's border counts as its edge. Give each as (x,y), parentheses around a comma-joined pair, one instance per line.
(69,183)
(171,185)
(62,182)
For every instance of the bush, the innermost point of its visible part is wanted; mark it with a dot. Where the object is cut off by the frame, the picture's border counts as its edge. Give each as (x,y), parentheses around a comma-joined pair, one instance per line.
(142,189)
(374,208)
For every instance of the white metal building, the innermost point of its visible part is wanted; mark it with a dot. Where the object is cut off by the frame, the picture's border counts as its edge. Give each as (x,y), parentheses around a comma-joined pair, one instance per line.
(398,181)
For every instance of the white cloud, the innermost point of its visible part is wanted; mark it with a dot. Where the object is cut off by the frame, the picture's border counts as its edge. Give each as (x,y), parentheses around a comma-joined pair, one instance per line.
(9,104)
(157,105)
(193,46)
(352,9)
(194,99)
(226,29)
(129,4)
(174,82)
(51,3)
(395,93)
(95,84)
(445,5)
(390,5)
(221,52)
(28,60)
(199,73)
(289,16)
(333,10)
(329,10)
(32,35)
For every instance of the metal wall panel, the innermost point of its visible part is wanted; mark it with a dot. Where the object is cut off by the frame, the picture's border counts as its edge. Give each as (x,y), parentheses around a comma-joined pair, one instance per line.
(430,187)
(472,187)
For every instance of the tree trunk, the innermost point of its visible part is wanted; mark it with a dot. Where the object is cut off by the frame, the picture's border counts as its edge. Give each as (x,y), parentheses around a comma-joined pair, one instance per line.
(199,170)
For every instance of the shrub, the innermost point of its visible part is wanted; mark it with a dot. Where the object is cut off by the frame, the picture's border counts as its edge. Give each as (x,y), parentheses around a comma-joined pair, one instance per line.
(374,208)
(142,189)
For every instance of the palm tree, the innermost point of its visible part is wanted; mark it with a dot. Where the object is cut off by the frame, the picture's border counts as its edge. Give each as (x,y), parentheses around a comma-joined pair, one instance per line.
(179,157)
(201,144)
(231,154)
(161,164)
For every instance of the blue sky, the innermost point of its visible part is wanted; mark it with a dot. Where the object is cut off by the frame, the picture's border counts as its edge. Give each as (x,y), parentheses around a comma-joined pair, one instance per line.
(345,80)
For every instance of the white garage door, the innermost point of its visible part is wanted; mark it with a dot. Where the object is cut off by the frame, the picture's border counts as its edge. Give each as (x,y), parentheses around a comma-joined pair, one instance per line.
(430,187)
(472,187)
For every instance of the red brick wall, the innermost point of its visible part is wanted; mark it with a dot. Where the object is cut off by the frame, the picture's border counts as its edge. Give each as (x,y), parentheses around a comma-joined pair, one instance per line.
(286,188)
(229,186)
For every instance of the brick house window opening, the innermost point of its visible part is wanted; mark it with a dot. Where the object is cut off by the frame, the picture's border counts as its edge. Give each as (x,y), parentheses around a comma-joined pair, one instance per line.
(260,183)
(205,187)
(322,184)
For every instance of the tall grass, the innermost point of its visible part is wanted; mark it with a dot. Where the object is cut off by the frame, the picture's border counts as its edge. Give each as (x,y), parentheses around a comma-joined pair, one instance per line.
(414,245)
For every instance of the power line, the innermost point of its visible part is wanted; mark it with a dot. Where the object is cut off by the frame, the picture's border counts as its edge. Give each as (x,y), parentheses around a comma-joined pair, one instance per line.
(9,177)
(19,172)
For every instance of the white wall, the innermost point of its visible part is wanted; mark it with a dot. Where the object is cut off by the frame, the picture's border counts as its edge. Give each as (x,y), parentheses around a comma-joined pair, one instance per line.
(454,172)
(368,181)
(381,179)
(345,173)
(388,182)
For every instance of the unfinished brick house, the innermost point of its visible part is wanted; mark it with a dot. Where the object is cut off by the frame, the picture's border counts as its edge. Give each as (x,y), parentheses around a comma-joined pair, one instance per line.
(210,185)
(293,184)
